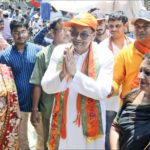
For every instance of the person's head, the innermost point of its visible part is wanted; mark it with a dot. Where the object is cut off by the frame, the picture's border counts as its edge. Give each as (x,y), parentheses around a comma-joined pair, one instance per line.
(1,13)
(142,26)
(117,23)
(1,6)
(144,74)
(19,31)
(10,7)
(59,33)
(19,7)
(38,11)
(29,10)
(22,19)
(69,15)
(83,27)
(1,24)
(36,18)
(5,14)
(17,11)
(100,17)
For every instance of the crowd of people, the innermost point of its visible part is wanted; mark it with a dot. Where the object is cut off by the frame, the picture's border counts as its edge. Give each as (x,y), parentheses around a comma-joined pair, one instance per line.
(84,81)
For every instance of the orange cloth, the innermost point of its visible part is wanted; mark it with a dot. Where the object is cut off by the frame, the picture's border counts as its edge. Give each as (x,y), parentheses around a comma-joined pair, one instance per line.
(83,19)
(135,81)
(126,66)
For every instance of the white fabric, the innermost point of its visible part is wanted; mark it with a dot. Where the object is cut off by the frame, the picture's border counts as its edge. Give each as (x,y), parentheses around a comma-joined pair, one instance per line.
(36,26)
(130,7)
(85,85)
(6,31)
(113,103)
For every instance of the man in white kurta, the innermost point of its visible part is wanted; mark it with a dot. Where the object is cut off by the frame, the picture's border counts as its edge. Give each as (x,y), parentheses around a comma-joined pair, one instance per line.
(117,24)
(98,89)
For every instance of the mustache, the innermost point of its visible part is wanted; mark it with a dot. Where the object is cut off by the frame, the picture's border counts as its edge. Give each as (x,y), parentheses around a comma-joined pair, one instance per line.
(99,30)
(141,32)
(21,39)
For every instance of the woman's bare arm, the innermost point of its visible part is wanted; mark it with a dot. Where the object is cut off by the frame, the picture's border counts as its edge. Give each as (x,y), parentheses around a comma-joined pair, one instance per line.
(114,139)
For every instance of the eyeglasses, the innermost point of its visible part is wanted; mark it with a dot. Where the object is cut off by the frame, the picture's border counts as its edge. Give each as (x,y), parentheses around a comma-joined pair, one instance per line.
(22,32)
(83,35)
(143,27)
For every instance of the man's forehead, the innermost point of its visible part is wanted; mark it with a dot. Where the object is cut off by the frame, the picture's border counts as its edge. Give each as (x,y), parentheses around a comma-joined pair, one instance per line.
(19,28)
(141,22)
(59,24)
(81,28)
(101,21)
(115,22)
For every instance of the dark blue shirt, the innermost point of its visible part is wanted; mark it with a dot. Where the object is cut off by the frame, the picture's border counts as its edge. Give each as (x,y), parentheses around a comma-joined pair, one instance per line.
(22,66)
(40,37)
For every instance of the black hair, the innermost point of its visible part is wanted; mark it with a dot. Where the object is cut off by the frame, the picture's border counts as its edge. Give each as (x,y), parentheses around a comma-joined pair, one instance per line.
(93,9)
(130,97)
(38,9)
(118,15)
(56,21)
(147,56)
(1,20)
(17,23)
(22,19)
(5,16)
(93,30)
(10,7)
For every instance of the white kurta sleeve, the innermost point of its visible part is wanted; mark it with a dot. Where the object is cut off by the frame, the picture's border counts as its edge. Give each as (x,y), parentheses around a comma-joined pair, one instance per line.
(100,88)
(51,82)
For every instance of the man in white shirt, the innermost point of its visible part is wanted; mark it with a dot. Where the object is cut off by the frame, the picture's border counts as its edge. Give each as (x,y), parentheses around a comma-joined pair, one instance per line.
(36,25)
(117,24)
(80,76)
(6,31)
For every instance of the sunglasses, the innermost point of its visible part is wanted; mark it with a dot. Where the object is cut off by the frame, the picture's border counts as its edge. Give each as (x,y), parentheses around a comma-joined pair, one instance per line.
(82,35)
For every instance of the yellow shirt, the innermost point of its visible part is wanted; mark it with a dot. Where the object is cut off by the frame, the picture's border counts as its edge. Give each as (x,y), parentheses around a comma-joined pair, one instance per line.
(126,66)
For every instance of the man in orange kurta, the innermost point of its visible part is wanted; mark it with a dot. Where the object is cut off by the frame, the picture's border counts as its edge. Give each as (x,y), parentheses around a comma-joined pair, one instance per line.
(127,61)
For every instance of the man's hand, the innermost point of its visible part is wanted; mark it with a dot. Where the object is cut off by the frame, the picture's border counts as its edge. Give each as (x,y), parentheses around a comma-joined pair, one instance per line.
(112,90)
(63,73)
(48,26)
(35,118)
(70,63)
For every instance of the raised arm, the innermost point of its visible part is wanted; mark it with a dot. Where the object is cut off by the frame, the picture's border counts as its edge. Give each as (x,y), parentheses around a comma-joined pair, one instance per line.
(53,80)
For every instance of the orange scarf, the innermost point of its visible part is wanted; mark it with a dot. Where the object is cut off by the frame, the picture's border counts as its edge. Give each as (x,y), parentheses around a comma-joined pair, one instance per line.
(87,108)
(144,50)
